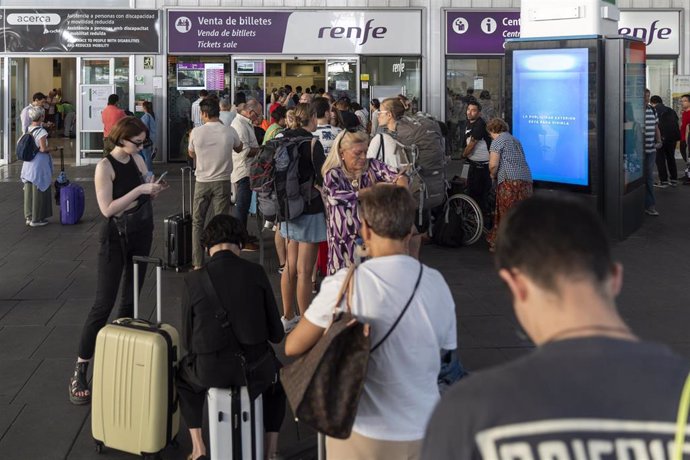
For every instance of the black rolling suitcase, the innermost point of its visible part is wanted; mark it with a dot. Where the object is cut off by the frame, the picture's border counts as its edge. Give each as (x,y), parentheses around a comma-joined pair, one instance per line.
(178,231)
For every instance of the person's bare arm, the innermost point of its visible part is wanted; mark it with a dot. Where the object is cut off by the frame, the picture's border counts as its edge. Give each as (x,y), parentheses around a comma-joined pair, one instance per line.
(302,338)
(103,180)
(470,146)
(494,158)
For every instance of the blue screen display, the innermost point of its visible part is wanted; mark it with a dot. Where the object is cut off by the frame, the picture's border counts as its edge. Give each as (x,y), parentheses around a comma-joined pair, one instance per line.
(550,113)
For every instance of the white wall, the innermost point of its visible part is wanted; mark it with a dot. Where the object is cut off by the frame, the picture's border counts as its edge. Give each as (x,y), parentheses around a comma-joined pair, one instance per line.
(40,76)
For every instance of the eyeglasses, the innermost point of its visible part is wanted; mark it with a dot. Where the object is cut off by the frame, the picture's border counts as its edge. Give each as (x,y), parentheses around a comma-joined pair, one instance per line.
(383,111)
(141,144)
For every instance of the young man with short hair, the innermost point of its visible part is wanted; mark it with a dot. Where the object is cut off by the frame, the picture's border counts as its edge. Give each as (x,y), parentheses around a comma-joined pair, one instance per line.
(591,389)
(37,100)
(211,144)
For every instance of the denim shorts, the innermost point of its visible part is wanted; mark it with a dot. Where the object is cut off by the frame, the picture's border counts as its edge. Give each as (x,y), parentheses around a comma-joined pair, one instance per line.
(307,228)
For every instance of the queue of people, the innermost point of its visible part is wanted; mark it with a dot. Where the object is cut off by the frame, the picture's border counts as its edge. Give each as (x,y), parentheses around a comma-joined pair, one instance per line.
(359,204)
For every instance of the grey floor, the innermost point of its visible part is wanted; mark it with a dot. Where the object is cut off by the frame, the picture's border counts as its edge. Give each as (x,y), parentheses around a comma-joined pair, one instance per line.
(47,280)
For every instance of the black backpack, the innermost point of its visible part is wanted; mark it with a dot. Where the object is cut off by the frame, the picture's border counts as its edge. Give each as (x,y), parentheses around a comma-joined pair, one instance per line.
(26,146)
(448,229)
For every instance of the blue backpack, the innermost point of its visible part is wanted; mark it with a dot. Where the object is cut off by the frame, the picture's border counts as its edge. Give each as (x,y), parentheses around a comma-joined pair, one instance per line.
(26,146)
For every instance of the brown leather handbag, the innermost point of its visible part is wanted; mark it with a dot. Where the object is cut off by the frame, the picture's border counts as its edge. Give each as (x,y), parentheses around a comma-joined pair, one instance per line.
(324,385)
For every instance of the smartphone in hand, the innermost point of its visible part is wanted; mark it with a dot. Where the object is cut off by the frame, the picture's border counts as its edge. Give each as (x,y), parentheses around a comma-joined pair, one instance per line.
(160,178)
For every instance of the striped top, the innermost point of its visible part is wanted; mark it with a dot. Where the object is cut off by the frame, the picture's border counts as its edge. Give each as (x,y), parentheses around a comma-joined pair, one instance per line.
(650,122)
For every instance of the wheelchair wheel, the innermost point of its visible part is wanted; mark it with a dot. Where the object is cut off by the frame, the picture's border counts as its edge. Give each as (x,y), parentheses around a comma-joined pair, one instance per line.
(473,221)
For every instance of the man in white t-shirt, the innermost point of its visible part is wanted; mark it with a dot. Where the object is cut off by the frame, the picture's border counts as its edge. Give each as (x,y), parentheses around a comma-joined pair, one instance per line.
(196,108)
(400,388)
(211,145)
(244,125)
(324,130)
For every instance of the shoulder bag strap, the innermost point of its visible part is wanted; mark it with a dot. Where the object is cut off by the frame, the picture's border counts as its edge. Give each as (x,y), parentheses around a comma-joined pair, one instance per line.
(414,291)
(345,289)
(221,314)
(381,154)
(682,421)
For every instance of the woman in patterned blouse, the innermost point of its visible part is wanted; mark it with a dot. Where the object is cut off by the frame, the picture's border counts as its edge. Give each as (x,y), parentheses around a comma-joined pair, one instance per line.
(346,171)
(509,170)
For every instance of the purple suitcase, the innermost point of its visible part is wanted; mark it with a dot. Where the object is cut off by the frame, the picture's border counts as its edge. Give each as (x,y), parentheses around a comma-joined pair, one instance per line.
(71,204)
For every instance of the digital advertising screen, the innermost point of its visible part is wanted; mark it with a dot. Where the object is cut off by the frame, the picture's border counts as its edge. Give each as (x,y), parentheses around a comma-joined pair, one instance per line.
(550,108)
(634,112)
(249,67)
(200,75)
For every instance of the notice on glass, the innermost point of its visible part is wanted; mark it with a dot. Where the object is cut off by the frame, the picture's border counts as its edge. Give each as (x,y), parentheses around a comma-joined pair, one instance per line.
(342,85)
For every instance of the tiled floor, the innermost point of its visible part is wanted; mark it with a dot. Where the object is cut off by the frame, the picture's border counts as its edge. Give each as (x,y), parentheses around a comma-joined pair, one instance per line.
(46,289)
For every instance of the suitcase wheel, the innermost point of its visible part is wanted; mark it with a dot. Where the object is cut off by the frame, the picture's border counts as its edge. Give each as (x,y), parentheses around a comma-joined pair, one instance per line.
(99,447)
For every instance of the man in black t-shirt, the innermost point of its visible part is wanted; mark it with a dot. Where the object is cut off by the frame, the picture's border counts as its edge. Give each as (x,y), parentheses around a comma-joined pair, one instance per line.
(477,143)
(592,389)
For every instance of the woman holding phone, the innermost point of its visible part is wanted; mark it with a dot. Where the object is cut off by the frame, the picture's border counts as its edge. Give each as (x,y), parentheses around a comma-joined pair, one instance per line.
(124,190)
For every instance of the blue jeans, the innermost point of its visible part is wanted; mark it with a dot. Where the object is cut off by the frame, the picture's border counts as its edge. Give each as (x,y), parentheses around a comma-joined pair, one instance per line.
(242,200)
(649,162)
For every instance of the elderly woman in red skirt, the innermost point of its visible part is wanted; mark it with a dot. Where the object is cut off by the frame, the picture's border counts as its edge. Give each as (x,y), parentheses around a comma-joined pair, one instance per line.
(509,171)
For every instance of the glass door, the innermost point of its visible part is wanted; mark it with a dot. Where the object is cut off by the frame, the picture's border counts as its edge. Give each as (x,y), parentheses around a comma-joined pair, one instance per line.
(249,79)
(98,78)
(341,77)
(18,99)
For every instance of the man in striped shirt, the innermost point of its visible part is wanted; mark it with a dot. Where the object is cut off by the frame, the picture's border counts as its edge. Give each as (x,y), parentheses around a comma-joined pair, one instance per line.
(651,138)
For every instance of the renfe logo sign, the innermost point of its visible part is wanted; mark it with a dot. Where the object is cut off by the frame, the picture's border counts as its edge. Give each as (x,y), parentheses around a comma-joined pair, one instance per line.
(296,32)
(485,32)
(660,30)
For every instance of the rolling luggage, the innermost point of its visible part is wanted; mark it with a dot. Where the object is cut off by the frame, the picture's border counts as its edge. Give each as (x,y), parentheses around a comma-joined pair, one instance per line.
(178,231)
(71,204)
(134,404)
(236,424)
(61,180)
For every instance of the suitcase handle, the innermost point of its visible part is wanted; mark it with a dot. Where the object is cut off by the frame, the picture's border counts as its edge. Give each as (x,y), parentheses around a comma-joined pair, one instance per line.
(182,171)
(159,269)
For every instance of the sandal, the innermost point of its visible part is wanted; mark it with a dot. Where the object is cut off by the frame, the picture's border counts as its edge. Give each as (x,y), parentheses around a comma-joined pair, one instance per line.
(79,392)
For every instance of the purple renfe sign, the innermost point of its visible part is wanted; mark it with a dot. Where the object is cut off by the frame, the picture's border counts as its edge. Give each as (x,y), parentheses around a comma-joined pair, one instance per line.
(472,32)
(232,32)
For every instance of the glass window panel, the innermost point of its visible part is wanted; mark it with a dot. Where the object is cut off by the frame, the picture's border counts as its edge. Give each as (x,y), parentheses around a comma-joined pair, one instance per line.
(394,72)
(466,78)
(95,71)
(660,74)
(121,81)
(342,78)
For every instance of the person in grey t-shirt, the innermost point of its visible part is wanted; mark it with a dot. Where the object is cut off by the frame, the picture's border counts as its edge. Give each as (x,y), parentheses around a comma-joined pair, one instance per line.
(591,389)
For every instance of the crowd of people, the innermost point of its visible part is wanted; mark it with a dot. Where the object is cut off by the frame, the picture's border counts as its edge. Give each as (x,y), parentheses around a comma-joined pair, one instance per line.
(551,253)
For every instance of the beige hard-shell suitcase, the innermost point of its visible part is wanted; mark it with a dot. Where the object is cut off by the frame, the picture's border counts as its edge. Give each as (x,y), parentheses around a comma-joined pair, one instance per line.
(134,403)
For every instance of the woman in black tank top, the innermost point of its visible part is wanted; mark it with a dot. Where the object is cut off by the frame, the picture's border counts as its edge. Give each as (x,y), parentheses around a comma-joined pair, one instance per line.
(124,192)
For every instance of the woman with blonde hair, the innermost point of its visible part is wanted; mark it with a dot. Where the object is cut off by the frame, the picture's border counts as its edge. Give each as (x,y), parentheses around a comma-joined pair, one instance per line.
(304,233)
(345,172)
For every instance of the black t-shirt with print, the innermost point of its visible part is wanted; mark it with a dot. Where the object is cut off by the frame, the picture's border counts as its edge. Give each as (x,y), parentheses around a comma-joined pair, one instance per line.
(589,398)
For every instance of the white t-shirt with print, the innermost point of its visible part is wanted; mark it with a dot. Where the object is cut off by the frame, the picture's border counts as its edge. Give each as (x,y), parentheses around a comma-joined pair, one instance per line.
(400,390)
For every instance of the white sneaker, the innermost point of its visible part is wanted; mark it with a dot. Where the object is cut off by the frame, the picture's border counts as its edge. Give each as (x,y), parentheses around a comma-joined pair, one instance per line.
(39,223)
(289,324)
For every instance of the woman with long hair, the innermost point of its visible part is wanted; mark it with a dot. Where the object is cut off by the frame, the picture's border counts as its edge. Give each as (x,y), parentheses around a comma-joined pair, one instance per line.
(345,172)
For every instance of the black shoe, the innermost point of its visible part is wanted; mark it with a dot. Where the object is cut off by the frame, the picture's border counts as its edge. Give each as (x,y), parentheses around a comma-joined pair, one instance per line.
(79,384)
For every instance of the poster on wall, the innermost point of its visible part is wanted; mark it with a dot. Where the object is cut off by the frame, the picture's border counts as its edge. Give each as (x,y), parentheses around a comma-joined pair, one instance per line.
(81,31)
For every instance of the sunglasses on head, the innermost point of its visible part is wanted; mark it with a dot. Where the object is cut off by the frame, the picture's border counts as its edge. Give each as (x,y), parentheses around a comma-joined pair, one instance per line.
(346,130)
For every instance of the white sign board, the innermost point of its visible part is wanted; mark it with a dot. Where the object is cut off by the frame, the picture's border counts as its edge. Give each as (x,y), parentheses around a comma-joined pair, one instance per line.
(660,30)
(358,32)
(93,99)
